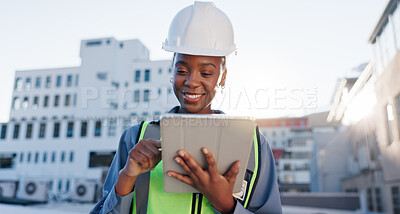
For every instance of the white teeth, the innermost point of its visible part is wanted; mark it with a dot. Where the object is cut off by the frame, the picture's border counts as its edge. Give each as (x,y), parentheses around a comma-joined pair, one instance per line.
(192,96)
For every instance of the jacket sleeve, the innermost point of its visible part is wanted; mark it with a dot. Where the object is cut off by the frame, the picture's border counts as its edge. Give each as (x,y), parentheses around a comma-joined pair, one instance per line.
(266,198)
(111,202)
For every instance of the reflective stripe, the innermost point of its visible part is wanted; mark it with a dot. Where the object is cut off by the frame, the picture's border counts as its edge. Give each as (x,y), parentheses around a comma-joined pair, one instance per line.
(143,130)
(253,178)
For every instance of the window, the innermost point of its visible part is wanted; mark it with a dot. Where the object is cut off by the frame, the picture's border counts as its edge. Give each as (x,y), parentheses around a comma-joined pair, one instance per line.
(42,129)
(29,131)
(169,91)
(97,128)
(16,103)
(288,179)
(159,91)
(370,200)
(146,95)
(287,167)
(3,134)
(83,128)
(169,70)
(126,124)
(102,75)
(76,80)
(60,185)
(378,200)
(94,43)
(67,186)
(62,157)
(395,199)
(36,157)
(74,102)
(112,127)
(48,81)
(53,156)
(70,129)
(147,75)
(160,71)
(71,156)
(69,80)
(27,84)
(46,101)
(101,159)
(56,131)
(25,103)
(58,82)
(56,100)
(67,99)
(21,157)
(390,122)
(18,84)
(16,131)
(137,76)
(28,160)
(7,160)
(44,157)
(136,97)
(35,102)
(38,81)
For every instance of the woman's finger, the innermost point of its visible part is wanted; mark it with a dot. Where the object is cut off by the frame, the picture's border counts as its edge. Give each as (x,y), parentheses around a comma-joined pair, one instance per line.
(212,165)
(231,175)
(183,178)
(187,169)
(193,165)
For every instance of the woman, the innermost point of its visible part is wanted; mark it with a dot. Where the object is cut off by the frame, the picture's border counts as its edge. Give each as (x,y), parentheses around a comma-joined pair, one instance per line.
(201,36)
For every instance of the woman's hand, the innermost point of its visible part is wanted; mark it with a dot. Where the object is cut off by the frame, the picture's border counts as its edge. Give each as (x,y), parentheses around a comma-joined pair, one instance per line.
(143,157)
(215,187)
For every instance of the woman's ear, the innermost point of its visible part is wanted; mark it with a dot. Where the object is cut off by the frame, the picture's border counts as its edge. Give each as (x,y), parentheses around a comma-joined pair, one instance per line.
(223,78)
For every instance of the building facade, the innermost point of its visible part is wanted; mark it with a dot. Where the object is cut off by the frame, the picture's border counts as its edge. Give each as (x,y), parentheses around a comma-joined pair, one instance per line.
(371,110)
(385,40)
(65,123)
(291,142)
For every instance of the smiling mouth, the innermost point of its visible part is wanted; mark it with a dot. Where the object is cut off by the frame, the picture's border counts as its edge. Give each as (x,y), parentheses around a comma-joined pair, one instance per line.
(192,98)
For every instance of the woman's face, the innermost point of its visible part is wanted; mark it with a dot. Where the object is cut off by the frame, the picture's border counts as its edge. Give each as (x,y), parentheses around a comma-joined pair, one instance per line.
(195,81)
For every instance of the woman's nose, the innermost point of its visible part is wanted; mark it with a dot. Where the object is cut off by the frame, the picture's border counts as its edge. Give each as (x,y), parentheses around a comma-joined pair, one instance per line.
(192,80)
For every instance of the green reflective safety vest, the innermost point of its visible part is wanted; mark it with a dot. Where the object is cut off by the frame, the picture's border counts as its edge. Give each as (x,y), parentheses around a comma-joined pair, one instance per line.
(192,203)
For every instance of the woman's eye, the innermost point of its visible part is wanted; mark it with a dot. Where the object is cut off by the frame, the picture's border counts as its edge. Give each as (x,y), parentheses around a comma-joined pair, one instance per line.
(206,74)
(180,71)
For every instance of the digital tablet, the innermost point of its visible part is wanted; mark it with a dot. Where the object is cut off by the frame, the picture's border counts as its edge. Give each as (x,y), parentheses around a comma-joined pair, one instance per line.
(229,138)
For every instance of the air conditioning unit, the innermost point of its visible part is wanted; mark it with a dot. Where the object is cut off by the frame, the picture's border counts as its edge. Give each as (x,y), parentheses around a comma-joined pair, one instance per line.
(35,190)
(84,191)
(7,189)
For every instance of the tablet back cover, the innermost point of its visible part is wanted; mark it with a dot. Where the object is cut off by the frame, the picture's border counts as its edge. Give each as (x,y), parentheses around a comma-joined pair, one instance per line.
(228,138)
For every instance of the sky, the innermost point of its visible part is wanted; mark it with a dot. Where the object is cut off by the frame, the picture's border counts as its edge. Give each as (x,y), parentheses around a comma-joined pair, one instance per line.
(290,53)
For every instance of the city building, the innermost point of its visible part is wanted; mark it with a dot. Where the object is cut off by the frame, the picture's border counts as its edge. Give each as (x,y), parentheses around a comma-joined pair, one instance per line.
(385,40)
(370,108)
(65,123)
(291,142)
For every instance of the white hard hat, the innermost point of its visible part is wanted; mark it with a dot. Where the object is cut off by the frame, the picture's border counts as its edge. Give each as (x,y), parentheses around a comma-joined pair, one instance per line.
(200,29)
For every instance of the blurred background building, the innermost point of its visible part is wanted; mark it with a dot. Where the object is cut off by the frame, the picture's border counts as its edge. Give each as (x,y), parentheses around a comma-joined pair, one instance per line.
(65,123)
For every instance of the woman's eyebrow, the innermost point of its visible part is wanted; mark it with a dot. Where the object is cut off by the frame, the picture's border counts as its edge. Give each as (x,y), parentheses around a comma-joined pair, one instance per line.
(182,62)
(209,63)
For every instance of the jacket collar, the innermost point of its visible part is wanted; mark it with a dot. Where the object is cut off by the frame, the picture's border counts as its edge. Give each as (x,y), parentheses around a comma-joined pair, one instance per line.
(176,109)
